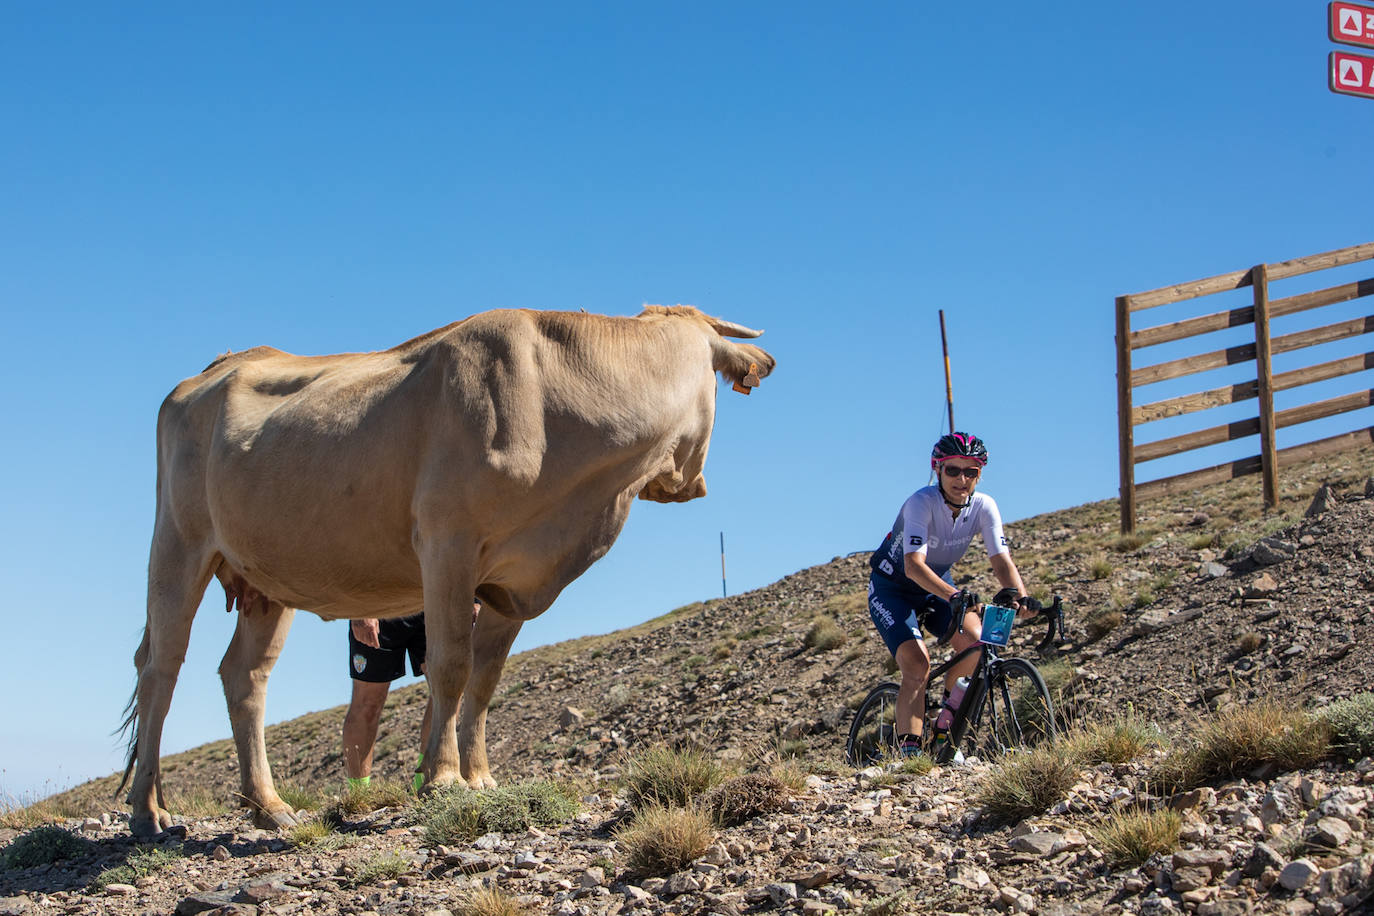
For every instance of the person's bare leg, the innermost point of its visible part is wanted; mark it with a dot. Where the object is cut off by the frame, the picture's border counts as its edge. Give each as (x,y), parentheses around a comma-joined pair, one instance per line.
(913,660)
(360,727)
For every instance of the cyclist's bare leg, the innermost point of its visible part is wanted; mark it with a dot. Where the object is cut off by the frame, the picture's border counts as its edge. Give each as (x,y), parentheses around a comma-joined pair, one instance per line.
(913,660)
(973,629)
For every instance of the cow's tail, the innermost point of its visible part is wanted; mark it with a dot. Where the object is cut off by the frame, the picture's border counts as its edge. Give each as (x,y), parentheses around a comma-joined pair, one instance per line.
(130,724)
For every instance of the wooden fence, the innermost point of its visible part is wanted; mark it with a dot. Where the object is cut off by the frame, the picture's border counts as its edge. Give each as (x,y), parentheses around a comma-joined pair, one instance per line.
(1261,388)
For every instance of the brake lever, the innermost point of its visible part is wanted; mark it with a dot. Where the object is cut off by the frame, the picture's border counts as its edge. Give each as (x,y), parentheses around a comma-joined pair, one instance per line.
(1056,614)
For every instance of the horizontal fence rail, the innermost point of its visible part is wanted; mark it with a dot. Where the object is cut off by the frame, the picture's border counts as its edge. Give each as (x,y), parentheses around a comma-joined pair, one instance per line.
(1260,389)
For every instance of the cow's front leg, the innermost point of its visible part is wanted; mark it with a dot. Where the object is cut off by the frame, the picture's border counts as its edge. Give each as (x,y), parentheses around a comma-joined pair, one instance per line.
(448,661)
(491,641)
(258,640)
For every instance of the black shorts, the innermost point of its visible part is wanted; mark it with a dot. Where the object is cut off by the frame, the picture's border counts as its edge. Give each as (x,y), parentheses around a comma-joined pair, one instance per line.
(399,637)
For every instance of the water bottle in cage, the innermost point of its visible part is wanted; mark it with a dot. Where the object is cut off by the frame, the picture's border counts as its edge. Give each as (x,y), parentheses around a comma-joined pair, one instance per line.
(951,705)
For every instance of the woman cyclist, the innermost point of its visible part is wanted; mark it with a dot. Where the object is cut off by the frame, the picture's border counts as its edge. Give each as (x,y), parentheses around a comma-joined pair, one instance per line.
(911,584)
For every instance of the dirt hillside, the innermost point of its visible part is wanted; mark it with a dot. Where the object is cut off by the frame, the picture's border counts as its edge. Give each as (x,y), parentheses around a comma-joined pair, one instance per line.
(1212,607)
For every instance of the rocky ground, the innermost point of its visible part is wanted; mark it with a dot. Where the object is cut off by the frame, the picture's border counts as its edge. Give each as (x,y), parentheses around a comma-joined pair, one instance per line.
(1213,606)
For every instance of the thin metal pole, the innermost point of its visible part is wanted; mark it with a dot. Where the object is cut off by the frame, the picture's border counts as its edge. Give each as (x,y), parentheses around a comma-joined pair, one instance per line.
(949,383)
(723,592)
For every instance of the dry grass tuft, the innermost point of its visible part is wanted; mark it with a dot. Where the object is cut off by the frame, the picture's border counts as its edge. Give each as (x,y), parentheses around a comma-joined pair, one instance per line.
(488,901)
(1115,742)
(1237,741)
(1130,837)
(824,634)
(737,800)
(1102,621)
(662,840)
(1028,783)
(666,776)
(372,797)
(1249,642)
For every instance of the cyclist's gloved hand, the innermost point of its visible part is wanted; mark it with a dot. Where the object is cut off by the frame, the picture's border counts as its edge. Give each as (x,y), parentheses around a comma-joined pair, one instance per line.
(965,599)
(1031,606)
(1007,597)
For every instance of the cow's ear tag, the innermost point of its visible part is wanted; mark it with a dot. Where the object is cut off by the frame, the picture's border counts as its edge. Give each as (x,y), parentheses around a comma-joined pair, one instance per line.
(751,380)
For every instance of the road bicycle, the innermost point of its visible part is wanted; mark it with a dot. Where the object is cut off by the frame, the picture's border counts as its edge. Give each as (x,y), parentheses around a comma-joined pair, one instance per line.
(1005,706)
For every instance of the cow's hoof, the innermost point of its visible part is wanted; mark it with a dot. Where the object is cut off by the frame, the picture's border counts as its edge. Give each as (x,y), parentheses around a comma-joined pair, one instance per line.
(439,783)
(148,824)
(282,818)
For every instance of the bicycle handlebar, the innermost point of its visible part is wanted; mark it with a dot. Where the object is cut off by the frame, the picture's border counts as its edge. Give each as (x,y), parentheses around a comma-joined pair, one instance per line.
(966,601)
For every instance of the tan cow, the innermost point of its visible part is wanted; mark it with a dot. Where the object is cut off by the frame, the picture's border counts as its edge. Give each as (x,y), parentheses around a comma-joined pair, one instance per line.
(495,457)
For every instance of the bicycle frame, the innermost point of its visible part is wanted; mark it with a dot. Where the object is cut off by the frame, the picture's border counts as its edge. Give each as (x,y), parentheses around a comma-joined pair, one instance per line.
(977,687)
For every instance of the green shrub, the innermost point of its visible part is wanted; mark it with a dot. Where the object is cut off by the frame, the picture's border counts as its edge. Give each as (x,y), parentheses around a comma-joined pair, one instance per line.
(139,863)
(1100,568)
(1130,837)
(381,867)
(455,815)
(897,904)
(1352,725)
(662,775)
(43,846)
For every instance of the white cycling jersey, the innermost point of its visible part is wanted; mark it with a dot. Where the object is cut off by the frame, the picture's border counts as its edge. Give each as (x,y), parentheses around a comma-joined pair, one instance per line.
(925,525)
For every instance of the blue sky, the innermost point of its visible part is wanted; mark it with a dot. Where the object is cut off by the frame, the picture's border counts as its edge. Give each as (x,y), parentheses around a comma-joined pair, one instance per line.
(182,180)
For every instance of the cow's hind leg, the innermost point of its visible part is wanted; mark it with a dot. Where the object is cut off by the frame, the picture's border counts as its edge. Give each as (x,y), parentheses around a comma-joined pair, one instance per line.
(491,641)
(177,576)
(258,640)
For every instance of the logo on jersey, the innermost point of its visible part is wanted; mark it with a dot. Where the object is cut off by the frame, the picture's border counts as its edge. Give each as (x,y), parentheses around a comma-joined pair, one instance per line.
(915,540)
(359,663)
(886,566)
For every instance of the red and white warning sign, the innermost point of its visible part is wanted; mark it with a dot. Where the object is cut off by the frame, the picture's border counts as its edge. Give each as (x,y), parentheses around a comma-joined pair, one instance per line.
(1350,23)
(1352,74)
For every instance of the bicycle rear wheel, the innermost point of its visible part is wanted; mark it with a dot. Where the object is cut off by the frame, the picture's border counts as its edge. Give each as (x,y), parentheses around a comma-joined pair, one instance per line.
(873,733)
(1017,711)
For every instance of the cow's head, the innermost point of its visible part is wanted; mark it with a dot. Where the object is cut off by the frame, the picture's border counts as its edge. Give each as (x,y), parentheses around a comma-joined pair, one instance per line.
(743,365)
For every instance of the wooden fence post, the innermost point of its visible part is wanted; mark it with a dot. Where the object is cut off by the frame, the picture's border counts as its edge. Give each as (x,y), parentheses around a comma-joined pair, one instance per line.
(1125,424)
(1269,465)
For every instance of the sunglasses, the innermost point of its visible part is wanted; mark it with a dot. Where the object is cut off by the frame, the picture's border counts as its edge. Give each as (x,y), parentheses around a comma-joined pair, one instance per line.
(966,473)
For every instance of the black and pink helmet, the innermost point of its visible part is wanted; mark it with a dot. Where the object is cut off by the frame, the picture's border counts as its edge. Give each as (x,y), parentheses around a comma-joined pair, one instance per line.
(958,445)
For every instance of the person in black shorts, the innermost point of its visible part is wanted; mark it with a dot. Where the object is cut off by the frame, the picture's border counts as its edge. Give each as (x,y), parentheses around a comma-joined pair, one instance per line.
(377,653)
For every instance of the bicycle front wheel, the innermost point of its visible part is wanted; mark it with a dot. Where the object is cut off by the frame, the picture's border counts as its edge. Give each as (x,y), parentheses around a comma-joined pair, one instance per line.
(1017,710)
(873,734)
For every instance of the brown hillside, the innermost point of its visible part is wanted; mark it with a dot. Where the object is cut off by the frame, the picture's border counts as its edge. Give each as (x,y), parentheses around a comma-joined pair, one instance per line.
(1214,606)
